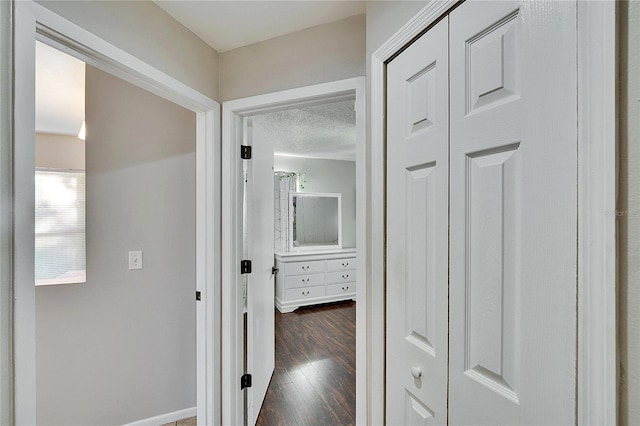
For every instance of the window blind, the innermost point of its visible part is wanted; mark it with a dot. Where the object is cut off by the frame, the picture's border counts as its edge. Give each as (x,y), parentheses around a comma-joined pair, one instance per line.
(60,241)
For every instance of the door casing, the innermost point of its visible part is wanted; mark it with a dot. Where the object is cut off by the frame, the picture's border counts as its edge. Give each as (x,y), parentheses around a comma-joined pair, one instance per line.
(596,277)
(232,304)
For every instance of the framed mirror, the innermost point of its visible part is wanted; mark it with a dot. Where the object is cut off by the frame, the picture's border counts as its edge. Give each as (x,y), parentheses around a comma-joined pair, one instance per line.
(315,221)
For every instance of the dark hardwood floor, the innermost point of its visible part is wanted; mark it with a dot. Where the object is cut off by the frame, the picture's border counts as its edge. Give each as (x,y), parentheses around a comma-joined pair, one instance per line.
(314,382)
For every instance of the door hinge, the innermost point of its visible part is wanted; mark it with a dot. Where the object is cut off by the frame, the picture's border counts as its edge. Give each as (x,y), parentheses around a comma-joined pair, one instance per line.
(245,152)
(198,296)
(245,381)
(245,267)
(274,270)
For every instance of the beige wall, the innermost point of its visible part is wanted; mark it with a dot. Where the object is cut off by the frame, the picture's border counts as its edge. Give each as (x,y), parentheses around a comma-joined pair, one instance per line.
(629,213)
(385,18)
(122,346)
(320,54)
(59,152)
(146,31)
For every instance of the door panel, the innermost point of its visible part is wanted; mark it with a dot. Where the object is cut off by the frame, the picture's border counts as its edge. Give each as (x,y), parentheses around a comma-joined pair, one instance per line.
(260,283)
(417,230)
(513,213)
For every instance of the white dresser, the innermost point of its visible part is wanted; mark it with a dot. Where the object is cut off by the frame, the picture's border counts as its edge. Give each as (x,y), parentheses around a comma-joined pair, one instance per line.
(309,278)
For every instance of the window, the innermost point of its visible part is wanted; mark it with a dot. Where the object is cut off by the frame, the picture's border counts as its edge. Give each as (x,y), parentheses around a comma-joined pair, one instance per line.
(60,242)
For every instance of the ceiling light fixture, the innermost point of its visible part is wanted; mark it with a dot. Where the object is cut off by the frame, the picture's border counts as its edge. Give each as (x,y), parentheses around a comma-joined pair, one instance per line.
(82,134)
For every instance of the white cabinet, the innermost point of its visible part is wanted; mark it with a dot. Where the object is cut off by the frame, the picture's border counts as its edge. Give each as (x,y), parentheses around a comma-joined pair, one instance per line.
(311,278)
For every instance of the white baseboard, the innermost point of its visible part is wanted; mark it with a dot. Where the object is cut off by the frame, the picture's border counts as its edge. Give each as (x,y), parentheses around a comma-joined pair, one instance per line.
(166,418)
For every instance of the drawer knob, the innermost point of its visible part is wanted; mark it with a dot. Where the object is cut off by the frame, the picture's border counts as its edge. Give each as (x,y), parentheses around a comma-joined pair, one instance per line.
(305,268)
(344,277)
(305,293)
(345,288)
(305,280)
(345,264)
(416,372)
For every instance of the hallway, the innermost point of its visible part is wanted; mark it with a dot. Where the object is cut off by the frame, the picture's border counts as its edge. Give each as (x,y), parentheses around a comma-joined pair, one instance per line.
(314,378)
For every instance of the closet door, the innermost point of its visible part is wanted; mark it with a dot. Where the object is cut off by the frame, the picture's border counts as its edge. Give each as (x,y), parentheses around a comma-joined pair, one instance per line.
(417,227)
(513,213)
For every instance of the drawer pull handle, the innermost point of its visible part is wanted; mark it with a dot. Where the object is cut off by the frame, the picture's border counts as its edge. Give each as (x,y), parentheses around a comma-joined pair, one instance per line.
(305,268)
(305,293)
(345,264)
(344,277)
(306,280)
(345,288)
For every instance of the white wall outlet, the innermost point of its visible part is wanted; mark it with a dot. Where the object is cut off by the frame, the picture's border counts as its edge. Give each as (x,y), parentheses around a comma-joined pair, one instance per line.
(135,260)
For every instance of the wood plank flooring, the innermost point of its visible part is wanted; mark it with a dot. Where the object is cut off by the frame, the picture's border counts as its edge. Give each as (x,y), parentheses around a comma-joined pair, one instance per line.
(314,382)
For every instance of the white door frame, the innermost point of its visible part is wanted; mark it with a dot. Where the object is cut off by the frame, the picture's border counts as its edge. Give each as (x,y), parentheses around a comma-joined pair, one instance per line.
(232,344)
(34,22)
(596,276)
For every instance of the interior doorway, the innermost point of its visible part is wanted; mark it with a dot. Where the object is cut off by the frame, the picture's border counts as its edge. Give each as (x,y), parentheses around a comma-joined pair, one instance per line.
(94,259)
(34,22)
(249,189)
(311,153)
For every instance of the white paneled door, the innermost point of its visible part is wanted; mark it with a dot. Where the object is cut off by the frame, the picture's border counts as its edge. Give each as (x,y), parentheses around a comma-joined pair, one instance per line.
(417,231)
(513,213)
(260,282)
(482,218)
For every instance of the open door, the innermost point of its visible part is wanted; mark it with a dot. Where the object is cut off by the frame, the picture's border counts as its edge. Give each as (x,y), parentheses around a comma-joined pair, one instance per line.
(258,247)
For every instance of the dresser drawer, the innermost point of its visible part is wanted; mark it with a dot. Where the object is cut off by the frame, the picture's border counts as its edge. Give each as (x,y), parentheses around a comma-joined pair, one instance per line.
(309,280)
(341,276)
(304,268)
(304,293)
(341,264)
(346,288)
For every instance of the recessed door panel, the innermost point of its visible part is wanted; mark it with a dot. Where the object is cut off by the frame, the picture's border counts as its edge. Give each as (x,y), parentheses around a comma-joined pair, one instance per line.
(491,292)
(416,413)
(420,275)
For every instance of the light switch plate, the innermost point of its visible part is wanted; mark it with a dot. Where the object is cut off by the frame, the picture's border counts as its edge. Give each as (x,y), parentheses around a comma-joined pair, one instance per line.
(135,260)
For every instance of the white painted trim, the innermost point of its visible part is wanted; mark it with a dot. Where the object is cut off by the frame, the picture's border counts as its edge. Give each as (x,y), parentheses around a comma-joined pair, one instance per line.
(24,349)
(362,255)
(165,418)
(78,42)
(597,363)
(6,214)
(232,112)
(36,22)
(597,378)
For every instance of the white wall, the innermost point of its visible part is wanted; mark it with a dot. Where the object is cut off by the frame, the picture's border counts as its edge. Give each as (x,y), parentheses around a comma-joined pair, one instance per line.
(328,176)
(147,32)
(59,152)
(629,213)
(320,54)
(121,347)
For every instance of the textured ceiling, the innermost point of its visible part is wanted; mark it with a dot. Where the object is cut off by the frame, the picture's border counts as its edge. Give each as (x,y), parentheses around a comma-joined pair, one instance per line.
(226,25)
(59,91)
(320,131)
